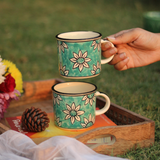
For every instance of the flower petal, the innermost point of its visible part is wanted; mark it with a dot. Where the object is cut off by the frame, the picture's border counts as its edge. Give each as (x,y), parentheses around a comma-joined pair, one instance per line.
(93,43)
(57,120)
(73,106)
(67,117)
(93,72)
(85,54)
(91,102)
(85,64)
(84,98)
(95,46)
(68,107)
(80,54)
(87,59)
(83,125)
(66,112)
(57,101)
(90,117)
(74,60)
(98,47)
(64,45)
(75,65)
(59,124)
(80,113)
(87,101)
(75,55)
(94,67)
(63,68)
(59,98)
(98,64)
(66,73)
(80,67)
(85,120)
(77,118)
(77,108)
(72,120)
(93,119)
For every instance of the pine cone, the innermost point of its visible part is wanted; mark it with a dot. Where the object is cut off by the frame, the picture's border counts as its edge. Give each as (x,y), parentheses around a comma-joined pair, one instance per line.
(34,120)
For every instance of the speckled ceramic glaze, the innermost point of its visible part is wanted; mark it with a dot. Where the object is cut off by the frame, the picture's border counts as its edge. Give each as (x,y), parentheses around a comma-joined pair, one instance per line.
(79,54)
(74,104)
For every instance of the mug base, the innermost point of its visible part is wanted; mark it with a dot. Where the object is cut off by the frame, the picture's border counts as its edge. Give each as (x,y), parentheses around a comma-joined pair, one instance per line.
(74,129)
(79,77)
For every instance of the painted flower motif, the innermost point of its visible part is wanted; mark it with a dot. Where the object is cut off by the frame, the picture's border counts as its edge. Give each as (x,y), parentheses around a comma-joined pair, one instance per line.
(63,70)
(62,46)
(80,60)
(88,122)
(89,99)
(96,45)
(95,68)
(56,99)
(57,121)
(73,112)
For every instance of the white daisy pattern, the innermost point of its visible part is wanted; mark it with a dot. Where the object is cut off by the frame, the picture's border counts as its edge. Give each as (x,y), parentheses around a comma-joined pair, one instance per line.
(62,46)
(89,99)
(96,45)
(95,68)
(56,99)
(63,70)
(88,122)
(80,60)
(73,113)
(58,122)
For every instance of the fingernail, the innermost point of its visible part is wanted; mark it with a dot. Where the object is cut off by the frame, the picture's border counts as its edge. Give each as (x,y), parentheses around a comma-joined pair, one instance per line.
(111,38)
(112,51)
(126,59)
(122,55)
(107,45)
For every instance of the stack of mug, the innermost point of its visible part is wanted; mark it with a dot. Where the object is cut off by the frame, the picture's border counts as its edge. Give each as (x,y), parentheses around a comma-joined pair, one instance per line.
(74,103)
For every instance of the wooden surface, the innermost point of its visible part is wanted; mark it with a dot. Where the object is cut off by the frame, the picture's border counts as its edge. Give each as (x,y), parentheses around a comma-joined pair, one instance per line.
(132,130)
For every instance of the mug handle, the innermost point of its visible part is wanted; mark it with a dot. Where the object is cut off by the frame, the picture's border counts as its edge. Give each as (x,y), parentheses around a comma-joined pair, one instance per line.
(104,61)
(106,106)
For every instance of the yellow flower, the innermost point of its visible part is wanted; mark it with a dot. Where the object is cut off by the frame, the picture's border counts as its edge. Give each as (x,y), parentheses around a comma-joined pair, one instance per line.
(15,73)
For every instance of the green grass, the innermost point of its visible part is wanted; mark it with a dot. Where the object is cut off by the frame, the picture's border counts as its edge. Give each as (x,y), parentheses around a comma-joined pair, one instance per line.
(27,38)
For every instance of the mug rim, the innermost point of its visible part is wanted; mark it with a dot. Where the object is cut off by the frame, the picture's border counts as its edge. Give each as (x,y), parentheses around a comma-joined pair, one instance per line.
(78,39)
(74,94)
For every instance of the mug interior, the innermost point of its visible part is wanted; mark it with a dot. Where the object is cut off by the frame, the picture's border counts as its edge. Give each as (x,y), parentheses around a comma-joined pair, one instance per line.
(78,35)
(74,88)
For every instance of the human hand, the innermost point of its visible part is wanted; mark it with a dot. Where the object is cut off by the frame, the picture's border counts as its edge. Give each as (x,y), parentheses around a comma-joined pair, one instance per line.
(133,48)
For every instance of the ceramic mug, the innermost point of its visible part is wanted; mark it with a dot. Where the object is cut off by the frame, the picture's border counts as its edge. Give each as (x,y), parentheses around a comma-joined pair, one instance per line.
(79,54)
(74,104)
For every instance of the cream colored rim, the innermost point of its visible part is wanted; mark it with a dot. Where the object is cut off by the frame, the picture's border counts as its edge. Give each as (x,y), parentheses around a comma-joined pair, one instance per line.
(74,88)
(77,36)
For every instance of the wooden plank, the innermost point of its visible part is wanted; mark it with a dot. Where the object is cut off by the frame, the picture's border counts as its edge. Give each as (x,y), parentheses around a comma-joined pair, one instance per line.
(36,91)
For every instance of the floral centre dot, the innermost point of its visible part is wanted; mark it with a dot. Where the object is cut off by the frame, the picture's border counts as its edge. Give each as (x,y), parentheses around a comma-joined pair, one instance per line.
(80,60)
(73,113)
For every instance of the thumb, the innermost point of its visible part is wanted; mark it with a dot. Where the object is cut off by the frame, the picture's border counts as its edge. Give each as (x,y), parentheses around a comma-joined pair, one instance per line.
(125,36)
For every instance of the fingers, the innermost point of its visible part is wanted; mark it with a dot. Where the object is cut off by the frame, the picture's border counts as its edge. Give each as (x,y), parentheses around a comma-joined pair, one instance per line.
(125,36)
(108,49)
(122,65)
(120,61)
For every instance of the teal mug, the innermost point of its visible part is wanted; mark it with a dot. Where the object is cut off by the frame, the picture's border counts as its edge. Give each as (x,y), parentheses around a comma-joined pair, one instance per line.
(74,104)
(79,54)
